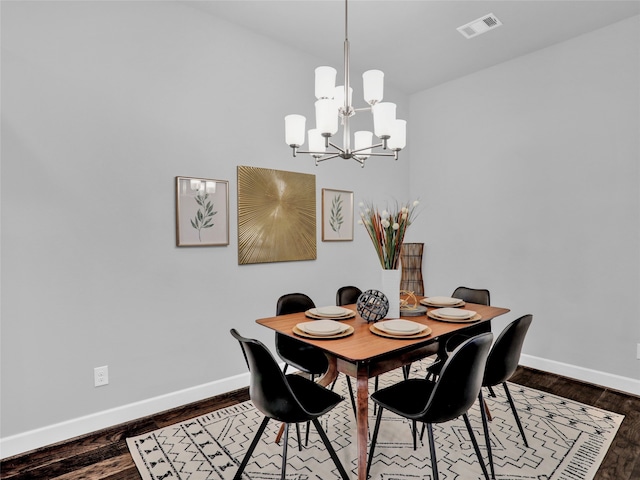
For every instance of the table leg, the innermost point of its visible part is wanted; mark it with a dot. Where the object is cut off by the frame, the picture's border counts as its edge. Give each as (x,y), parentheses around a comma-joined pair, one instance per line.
(362,404)
(487,411)
(331,374)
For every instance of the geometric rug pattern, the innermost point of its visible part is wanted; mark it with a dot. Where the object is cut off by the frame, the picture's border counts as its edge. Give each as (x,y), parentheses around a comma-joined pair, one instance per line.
(567,441)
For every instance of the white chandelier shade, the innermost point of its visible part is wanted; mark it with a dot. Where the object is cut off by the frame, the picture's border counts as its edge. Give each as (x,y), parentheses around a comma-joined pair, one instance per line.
(325,82)
(373,85)
(327,116)
(334,106)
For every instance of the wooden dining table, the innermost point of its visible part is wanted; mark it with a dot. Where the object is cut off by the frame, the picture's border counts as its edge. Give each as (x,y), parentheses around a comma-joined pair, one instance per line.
(364,354)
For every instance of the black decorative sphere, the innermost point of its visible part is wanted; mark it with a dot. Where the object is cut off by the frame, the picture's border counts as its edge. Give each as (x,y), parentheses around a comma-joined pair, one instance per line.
(372,305)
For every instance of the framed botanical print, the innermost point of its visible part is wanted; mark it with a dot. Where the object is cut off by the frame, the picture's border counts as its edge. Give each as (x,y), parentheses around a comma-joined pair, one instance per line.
(337,215)
(202,212)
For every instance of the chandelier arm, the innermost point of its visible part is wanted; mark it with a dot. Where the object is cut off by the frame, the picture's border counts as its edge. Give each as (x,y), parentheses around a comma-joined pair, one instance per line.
(318,160)
(341,150)
(375,154)
(366,148)
(318,153)
(359,160)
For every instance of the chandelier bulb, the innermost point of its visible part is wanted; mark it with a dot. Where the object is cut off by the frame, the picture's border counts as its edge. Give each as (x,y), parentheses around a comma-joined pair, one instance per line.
(384,114)
(294,129)
(361,140)
(326,116)
(373,86)
(316,142)
(325,82)
(398,139)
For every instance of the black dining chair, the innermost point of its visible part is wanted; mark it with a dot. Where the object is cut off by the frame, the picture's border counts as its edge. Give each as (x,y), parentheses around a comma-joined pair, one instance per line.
(449,397)
(473,295)
(300,355)
(469,295)
(501,364)
(347,295)
(285,398)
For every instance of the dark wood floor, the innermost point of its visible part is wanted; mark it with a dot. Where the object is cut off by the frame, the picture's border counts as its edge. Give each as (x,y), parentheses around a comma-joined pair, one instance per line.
(103,455)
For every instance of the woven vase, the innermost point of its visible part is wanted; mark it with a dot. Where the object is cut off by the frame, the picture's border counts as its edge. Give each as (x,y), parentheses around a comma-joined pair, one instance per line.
(411,260)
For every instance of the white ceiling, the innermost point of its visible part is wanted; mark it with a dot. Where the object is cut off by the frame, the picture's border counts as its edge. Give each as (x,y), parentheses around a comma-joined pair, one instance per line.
(415,42)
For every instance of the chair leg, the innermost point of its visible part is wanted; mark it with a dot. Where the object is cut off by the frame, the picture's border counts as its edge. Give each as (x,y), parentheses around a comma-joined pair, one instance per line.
(252,447)
(485,427)
(432,452)
(284,451)
(353,400)
(298,435)
(306,437)
(414,432)
(475,445)
(374,439)
(406,369)
(375,389)
(332,452)
(515,413)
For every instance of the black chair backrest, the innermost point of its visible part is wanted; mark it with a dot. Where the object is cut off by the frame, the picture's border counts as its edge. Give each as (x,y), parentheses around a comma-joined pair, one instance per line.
(293,303)
(472,295)
(460,380)
(505,354)
(269,389)
(347,295)
(294,352)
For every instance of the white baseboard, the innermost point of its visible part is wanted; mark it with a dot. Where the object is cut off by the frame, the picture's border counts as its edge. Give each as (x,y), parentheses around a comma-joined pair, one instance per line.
(615,382)
(24,442)
(41,437)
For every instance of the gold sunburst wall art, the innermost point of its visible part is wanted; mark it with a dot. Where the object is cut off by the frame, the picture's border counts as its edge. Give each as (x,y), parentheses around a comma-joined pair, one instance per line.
(276,216)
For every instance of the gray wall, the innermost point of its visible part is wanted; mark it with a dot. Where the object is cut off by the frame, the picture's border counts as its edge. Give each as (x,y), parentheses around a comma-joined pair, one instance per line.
(529,176)
(103,104)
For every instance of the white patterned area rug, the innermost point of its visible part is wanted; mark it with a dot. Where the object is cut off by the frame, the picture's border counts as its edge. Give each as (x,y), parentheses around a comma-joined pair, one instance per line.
(567,441)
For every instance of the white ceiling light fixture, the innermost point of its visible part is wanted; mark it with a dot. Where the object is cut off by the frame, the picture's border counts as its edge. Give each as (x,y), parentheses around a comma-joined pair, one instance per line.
(335,103)
(480,26)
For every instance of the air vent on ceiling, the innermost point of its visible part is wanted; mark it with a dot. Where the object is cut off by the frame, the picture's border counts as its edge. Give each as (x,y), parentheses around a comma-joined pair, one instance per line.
(479,26)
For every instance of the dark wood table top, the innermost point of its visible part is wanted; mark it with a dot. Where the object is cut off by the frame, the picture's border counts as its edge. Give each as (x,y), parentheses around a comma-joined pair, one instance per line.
(364,345)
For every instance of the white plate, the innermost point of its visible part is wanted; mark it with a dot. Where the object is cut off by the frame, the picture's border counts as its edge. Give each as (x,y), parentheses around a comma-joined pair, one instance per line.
(330,311)
(443,301)
(400,327)
(453,313)
(322,327)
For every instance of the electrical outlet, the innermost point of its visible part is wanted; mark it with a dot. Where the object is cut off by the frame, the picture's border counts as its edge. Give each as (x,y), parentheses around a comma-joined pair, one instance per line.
(101,376)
